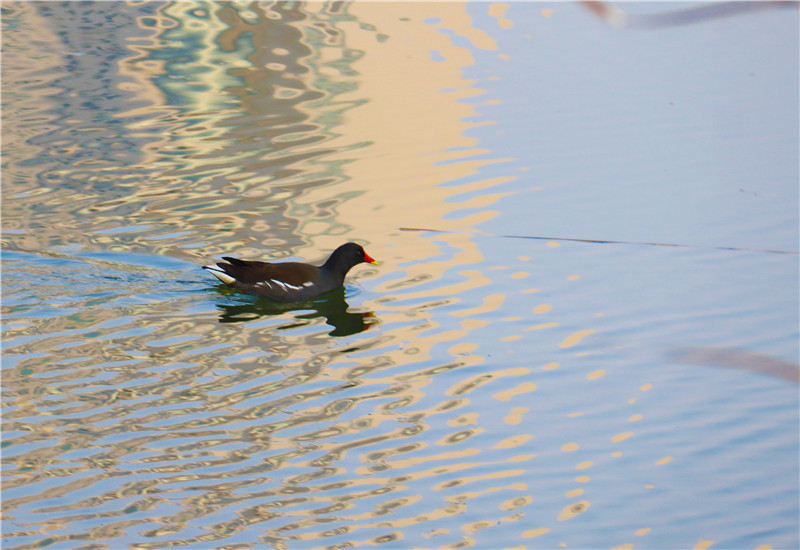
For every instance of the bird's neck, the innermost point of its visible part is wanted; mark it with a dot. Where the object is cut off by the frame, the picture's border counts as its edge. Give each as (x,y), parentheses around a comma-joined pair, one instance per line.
(335,268)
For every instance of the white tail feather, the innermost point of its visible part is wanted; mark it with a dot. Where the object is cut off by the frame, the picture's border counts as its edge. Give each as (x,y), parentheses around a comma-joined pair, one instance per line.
(219,274)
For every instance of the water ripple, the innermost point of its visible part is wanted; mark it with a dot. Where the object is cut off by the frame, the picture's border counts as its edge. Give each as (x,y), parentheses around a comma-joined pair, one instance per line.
(471,390)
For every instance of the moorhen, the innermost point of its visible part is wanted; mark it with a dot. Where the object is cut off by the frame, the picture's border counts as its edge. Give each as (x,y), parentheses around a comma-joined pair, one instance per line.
(290,281)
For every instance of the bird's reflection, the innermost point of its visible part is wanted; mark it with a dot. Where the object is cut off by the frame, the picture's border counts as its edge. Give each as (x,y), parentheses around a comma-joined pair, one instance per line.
(332,306)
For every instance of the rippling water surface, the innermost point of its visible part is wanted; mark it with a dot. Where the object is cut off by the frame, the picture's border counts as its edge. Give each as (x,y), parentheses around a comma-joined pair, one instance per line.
(528,366)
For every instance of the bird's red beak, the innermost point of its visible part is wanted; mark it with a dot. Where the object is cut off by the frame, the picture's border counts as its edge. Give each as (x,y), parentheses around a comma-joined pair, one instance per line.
(369,259)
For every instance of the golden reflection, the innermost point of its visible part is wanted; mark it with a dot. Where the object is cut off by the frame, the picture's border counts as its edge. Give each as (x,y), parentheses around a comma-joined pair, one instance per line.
(458,437)
(468,419)
(518,502)
(508,395)
(472,279)
(521,458)
(594,375)
(501,474)
(25,89)
(541,326)
(574,339)
(533,533)
(469,384)
(219,108)
(498,10)
(405,123)
(448,456)
(515,416)
(514,441)
(573,510)
(621,437)
(490,303)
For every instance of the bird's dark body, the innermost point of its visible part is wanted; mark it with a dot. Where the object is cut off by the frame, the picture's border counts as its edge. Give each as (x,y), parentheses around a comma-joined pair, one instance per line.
(290,281)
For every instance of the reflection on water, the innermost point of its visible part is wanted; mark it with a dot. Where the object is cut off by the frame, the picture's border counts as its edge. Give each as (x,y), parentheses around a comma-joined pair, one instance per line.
(613,15)
(200,117)
(471,391)
(332,306)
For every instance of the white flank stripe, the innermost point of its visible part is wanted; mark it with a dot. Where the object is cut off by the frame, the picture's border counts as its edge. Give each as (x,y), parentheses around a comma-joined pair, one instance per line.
(285,286)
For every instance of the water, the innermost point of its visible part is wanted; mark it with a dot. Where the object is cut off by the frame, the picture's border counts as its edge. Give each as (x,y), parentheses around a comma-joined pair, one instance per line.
(476,389)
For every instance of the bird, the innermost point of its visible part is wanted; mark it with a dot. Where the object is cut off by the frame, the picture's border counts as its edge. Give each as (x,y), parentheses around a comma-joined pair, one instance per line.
(290,281)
